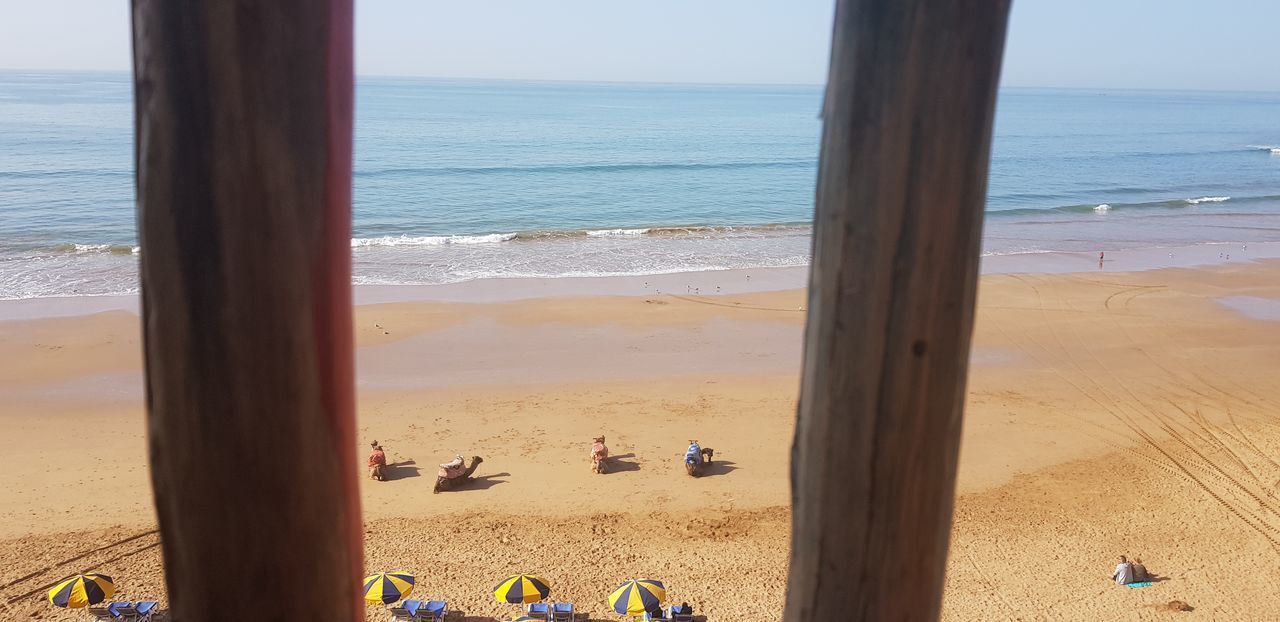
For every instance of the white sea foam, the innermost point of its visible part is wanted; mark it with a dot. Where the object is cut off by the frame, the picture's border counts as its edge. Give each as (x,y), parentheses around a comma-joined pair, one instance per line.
(91,248)
(431,240)
(601,233)
(1018,251)
(1102,209)
(1208,200)
(1274,150)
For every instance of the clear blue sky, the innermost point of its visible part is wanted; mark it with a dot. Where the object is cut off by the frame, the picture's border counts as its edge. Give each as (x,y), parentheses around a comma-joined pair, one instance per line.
(1180,44)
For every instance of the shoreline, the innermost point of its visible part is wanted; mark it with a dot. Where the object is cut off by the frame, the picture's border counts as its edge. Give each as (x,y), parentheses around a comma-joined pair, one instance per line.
(700,283)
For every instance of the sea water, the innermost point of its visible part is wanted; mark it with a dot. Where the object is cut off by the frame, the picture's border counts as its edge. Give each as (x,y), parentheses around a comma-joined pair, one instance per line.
(462,180)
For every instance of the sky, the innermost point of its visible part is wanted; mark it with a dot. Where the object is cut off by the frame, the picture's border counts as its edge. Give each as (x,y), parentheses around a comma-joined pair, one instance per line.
(1141,44)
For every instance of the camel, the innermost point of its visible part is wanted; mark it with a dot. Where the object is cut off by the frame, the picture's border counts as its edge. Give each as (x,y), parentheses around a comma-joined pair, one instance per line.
(456,473)
(599,456)
(695,468)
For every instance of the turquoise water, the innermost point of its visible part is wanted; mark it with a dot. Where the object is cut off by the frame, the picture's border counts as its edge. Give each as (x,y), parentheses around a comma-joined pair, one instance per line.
(459,180)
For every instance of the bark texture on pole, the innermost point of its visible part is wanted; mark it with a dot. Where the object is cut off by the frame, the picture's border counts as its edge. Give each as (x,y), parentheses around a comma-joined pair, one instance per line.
(901,188)
(243,154)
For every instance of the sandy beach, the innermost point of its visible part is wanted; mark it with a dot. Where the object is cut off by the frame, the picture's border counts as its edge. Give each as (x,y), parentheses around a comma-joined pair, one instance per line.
(1109,413)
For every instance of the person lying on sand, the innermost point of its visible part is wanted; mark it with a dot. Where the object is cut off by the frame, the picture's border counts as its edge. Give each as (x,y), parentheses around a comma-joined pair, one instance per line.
(377,463)
(1124,572)
(599,455)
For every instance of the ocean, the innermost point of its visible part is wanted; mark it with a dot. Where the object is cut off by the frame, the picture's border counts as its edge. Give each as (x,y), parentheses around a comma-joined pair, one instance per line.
(462,180)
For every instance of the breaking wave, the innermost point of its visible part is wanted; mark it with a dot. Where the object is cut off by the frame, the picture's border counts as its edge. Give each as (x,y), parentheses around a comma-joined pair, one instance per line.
(431,240)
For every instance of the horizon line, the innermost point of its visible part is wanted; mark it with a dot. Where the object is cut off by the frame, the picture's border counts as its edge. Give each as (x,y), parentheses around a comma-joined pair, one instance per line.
(360,76)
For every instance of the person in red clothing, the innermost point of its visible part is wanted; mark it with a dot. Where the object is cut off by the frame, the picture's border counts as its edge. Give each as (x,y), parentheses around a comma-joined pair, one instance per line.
(377,463)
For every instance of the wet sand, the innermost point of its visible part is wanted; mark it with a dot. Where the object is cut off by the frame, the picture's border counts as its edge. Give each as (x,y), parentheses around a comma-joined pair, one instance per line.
(1108,414)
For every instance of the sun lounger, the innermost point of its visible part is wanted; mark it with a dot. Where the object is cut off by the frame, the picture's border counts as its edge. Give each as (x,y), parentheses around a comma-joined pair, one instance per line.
(541,611)
(123,612)
(649,617)
(434,611)
(101,614)
(677,613)
(562,612)
(147,610)
(400,614)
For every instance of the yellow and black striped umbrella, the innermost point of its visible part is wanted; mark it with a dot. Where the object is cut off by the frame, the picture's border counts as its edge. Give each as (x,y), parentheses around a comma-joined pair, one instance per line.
(387,587)
(521,588)
(82,590)
(637,596)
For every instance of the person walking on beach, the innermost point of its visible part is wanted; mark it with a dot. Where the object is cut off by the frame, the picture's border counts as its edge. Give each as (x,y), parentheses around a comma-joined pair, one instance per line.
(1124,572)
(377,463)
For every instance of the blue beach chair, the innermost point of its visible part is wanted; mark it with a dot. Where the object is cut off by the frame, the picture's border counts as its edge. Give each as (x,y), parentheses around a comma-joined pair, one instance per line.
(147,610)
(680,613)
(541,611)
(434,611)
(123,611)
(562,612)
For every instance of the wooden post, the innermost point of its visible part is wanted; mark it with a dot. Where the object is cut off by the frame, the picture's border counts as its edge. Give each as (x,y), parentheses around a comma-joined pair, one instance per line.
(901,188)
(243,117)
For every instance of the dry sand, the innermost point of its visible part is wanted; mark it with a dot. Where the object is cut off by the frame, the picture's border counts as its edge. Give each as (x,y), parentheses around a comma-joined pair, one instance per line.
(1108,414)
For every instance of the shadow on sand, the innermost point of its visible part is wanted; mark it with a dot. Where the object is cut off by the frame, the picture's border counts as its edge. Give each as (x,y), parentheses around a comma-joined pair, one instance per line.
(402,470)
(719,467)
(620,464)
(483,482)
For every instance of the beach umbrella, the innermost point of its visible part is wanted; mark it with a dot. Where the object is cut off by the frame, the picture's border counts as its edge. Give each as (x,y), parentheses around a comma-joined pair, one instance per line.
(387,587)
(82,590)
(637,596)
(521,588)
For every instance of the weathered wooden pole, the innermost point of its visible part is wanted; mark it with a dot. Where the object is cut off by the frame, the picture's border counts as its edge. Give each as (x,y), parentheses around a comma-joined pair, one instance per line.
(243,154)
(901,187)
